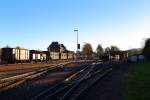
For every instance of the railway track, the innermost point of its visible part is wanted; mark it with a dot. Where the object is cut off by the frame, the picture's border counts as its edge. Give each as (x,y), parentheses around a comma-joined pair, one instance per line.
(11,82)
(66,84)
(79,88)
(73,86)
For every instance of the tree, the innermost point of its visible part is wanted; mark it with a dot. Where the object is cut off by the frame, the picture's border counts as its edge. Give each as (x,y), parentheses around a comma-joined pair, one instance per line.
(94,55)
(107,50)
(146,50)
(99,51)
(137,51)
(18,47)
(87,50)
(7,46)
(114,48)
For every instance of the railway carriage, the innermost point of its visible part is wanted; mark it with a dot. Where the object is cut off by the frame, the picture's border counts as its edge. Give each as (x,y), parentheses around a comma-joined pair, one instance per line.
(38,56)
(14,55)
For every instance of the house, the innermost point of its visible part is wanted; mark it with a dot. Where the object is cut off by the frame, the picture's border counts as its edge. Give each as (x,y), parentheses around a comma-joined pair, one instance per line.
(62,48)
(45,56)
(70,55)
(14,55)
(59,52)
(54,50)
(64,55)
(79,56)
(118,55)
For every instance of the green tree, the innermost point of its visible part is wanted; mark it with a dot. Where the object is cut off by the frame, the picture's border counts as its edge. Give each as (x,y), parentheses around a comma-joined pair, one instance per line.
(7,46)
(134,51)
(114,48)
(99,51)
(18,47)
(94,55)
(87,50)
(107,50)
(146,50)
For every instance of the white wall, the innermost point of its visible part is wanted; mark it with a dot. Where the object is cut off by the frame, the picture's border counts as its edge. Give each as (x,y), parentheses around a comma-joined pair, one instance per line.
(63,55)
(70,55)
(43,57)
(54,55)
(36,56)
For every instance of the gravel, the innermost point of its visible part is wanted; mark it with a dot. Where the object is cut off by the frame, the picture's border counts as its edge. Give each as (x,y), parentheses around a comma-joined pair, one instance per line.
(108,88)
(31,88)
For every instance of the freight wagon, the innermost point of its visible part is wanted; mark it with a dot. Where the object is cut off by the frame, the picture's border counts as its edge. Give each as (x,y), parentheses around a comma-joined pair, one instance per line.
(14,55)
(38,56)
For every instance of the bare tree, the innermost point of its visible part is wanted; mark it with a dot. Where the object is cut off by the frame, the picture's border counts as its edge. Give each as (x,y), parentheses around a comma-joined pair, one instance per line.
(87,50)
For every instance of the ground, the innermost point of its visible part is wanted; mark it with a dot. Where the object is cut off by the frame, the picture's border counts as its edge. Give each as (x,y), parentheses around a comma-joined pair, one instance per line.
(14,67)
(109,87)
(31,88)
(126,82)
(137,82)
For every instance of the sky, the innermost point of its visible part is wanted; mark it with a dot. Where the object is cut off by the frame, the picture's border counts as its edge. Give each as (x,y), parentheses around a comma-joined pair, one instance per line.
(34,24)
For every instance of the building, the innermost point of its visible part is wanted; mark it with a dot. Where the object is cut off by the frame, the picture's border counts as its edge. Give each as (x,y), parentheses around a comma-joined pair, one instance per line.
(64,55)
(45,56)
(62,48)
(14,55)
(59,52)
(63,52)
(80,56)
(118,56)
(71,55)
(54,50)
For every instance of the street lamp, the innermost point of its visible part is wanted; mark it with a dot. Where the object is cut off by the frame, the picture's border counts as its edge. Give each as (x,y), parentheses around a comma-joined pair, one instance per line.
(78,45)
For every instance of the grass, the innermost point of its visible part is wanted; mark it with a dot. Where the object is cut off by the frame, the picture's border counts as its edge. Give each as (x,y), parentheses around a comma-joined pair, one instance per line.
(137,82)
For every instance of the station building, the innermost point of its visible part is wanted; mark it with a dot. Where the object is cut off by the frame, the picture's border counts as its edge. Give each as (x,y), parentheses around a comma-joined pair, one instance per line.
(59,52)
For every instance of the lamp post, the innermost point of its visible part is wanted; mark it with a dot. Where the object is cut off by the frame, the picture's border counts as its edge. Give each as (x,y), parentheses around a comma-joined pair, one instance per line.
(78,45)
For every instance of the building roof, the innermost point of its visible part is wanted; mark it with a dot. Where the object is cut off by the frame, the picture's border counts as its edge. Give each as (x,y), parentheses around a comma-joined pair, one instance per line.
(55,47)
(71,52)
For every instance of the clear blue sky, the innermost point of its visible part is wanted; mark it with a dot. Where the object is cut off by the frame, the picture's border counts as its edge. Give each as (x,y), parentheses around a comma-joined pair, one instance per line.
(34,24)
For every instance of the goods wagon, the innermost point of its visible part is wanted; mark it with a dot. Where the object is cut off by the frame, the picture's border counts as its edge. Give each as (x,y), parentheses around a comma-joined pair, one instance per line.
(38,56)
(14,55)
